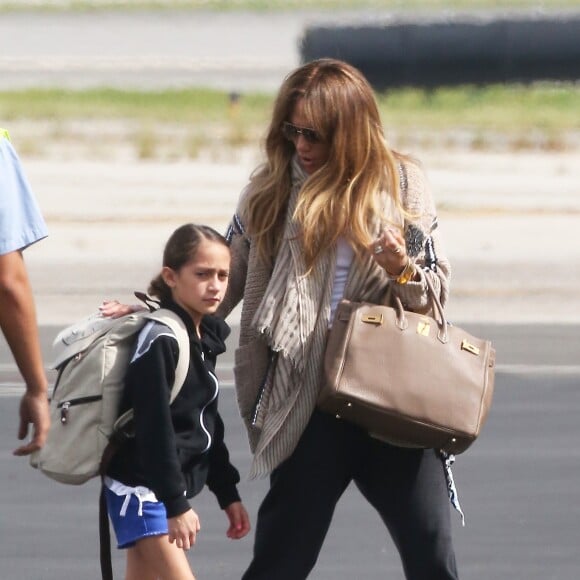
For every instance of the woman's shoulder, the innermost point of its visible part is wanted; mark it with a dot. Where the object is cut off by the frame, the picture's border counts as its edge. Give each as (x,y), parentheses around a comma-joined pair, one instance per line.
(414,185)
(417,200)
(411,173)
(237,225)
(254,186)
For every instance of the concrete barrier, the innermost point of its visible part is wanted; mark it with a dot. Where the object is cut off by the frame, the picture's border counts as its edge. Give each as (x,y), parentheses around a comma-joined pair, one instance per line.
(460,50)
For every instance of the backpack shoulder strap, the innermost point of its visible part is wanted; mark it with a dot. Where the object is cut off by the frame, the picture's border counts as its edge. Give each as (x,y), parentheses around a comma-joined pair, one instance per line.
(175,323)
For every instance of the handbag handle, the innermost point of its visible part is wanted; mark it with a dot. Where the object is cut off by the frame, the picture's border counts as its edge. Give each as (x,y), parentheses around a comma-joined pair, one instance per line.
(437,307)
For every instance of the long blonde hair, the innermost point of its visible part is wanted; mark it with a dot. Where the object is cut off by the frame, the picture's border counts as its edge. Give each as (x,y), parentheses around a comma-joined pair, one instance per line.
(341,198)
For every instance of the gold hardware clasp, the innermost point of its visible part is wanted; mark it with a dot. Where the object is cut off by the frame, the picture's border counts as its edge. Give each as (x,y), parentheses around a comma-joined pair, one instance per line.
(465,345)
(373,318)
(423,327)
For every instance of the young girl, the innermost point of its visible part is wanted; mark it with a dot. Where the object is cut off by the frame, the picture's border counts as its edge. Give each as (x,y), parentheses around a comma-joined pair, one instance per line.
(177,448)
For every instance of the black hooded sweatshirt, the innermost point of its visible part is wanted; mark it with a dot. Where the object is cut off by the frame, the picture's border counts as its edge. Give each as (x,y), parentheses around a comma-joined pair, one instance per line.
(178,448)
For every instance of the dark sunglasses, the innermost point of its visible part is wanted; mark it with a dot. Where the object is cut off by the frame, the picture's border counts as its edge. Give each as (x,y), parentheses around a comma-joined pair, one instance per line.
(291,132)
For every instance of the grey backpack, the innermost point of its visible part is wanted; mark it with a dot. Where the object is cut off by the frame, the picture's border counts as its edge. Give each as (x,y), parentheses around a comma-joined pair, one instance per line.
(92,358)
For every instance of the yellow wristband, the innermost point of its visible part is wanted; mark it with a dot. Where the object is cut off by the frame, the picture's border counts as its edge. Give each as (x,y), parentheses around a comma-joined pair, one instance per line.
(4,133)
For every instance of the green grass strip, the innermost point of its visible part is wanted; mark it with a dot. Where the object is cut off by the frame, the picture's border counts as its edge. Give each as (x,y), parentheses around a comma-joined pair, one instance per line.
(182,106)
(501,108)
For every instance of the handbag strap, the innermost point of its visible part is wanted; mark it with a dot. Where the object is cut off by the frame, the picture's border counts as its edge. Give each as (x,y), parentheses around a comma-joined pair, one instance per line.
(104,537)
(390,297)
(437,307)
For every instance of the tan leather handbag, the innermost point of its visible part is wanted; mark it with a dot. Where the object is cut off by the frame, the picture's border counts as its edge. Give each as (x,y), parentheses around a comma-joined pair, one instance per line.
(409,379)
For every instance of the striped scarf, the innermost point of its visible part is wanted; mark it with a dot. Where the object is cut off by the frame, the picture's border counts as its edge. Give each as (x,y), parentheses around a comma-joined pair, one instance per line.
(293,317)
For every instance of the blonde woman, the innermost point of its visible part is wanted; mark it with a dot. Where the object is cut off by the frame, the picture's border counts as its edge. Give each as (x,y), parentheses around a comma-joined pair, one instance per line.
(332,213)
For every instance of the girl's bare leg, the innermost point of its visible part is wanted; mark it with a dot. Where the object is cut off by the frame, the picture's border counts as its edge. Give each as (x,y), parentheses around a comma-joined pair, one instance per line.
(154,558)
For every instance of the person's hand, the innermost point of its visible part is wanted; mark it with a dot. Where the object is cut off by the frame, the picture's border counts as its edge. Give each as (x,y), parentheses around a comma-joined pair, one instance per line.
(115,309)
(183,529)
(239,520)
(389,251)
(33,410)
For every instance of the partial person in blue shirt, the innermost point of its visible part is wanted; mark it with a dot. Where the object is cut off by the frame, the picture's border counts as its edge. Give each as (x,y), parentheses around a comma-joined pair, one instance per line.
(21,225)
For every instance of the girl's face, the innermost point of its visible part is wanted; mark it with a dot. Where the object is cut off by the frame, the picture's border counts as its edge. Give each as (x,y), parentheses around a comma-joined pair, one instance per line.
(313,153)
(199,285)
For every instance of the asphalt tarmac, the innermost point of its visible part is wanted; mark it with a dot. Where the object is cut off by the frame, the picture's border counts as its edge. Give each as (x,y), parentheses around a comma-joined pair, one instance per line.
(518,485)
(145,49)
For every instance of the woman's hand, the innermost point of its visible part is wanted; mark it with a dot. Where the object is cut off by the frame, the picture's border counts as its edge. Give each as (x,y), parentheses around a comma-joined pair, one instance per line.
(115,309)
(183,529)
(389,252)
(239,520)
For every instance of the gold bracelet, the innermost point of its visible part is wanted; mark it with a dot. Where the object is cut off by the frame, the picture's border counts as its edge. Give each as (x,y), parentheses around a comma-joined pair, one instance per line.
(395,277)
(408,273)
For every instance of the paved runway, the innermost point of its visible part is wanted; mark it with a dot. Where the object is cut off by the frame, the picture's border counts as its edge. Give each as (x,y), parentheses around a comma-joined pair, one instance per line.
(228,50)
(518,486)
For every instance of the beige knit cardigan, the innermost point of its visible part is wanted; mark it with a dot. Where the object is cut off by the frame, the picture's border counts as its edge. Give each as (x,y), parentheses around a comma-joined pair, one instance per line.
(249,279)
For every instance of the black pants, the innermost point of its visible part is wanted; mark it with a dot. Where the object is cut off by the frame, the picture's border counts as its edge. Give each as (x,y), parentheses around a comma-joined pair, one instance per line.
(407,487)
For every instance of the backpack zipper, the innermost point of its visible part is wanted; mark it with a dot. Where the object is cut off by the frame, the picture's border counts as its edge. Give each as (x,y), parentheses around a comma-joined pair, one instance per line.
(64,406)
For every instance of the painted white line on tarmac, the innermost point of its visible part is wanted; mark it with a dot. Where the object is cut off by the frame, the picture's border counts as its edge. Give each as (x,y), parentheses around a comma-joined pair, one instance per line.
(560,370)
(138,63)
(12,389)
(8,367)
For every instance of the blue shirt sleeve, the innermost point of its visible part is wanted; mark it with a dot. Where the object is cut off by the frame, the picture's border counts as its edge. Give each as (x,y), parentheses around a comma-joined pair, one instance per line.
(21,223)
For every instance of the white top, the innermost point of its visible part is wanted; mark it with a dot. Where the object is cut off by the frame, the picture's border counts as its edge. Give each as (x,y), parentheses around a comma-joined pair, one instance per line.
(344,257)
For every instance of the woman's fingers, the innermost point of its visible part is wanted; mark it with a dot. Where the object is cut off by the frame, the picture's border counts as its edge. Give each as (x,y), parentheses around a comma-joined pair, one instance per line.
(389,251)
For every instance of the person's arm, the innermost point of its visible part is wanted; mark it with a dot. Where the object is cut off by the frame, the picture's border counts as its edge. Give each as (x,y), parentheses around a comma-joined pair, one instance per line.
(423,245)
(222,480)
(182,529)
(148,385)
(18,323)
(240,248)
(239,521)
(222,477)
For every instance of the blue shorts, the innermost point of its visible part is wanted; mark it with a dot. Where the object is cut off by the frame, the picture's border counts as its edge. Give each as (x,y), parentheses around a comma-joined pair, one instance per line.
(134,518)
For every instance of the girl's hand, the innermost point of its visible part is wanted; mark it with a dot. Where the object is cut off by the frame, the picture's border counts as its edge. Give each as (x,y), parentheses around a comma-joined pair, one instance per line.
(183,529)
(115,309)
(239,520)
(389,251)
